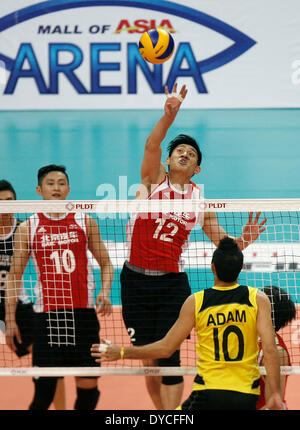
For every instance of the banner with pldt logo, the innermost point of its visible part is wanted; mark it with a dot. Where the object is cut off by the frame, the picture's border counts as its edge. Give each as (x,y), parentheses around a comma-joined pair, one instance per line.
(83,54)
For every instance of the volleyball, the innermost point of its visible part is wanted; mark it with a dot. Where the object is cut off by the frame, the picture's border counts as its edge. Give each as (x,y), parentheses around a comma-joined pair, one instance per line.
(156,45)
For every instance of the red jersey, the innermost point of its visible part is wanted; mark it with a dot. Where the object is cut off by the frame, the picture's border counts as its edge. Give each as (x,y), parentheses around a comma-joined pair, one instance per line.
(59,252)
(262,401)
(156,241)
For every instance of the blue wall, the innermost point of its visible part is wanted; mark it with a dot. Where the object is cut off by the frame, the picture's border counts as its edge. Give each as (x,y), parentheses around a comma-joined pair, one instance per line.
(246,153)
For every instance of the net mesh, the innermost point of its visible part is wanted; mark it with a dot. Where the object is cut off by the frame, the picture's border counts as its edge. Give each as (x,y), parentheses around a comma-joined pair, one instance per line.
(54,271)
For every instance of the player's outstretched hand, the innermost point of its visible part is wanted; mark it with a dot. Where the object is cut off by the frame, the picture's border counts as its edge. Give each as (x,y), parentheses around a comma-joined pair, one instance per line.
(106,351)
(253,229)
(174,100)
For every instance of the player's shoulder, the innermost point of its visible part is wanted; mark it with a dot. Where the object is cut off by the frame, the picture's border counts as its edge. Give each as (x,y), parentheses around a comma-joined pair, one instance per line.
(22,232)
(161,175)
(198,298)
(262,299)
(89,220)
(23,225)
(189,304)
(92,227)
(148,187)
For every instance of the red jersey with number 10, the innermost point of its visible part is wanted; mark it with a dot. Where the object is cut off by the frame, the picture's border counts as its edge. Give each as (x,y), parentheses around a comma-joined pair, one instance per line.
(59,252)
(156,241)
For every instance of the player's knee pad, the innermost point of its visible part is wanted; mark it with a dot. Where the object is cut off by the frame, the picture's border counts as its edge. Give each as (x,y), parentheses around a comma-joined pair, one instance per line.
(44,393)
(172,380)
(87,398)
(173,361)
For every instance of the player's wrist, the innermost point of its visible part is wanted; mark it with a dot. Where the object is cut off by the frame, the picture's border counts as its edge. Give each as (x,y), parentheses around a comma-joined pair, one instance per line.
(243,242)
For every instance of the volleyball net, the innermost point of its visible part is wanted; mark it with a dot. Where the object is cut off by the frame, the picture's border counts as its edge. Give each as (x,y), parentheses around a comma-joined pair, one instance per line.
(55,283)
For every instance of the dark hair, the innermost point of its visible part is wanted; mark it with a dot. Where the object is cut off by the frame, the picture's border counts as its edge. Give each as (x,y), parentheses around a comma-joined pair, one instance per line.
(43,171)
(183,139)
(283,308)
(6,186)
(228,260)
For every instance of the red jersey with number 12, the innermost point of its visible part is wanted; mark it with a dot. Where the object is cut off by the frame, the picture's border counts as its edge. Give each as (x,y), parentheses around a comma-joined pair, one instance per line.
(59,252)
(156,241)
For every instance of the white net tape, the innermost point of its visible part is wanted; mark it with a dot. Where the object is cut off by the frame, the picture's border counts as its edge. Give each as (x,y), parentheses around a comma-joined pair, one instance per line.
(273,259)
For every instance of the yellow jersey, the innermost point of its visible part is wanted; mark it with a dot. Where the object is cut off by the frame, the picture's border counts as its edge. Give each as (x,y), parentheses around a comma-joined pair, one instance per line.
(227,340)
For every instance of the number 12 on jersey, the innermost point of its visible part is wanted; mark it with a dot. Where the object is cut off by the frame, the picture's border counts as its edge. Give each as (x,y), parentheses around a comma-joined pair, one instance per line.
(166,237)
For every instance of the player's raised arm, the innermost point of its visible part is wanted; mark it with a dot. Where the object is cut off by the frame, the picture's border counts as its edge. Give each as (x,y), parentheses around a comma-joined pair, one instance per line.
(151,164)
(18,265)
(251,231)
(100,253)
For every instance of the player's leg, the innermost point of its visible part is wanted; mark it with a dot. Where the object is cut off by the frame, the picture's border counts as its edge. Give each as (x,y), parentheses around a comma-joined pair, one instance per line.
(25,321)
(43,355)
(87,393)
(165,396)
(59,400)
(87,329)
(174,289)
(139,315)
(153,385)
(165,392)
(171,386)
(44,391)
(171,395)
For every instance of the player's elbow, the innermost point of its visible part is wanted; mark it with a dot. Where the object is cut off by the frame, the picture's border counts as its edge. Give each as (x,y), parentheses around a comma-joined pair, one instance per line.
(150,145)
(166,351)
(270,353)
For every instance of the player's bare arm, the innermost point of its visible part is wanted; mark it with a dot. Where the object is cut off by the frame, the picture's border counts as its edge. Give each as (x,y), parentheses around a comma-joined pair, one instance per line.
(18,265)
(151,169)
(163,348)
(100,253)
(251,231)
(283,361)
(266,333)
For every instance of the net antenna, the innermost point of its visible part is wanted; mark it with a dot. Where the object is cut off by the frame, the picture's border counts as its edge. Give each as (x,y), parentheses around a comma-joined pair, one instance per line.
(274,259)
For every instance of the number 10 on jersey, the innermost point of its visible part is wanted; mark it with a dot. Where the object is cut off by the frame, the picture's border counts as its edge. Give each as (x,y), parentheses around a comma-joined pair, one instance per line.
(64,262)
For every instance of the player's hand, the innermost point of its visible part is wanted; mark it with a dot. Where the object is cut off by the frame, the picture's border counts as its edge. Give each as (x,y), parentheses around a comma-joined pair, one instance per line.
(252,229)
(12,332)
(103,304)
(174,100)
(274,402)
(112,352)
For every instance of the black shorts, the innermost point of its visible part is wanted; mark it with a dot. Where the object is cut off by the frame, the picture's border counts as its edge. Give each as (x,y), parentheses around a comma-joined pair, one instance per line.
(25,321)
(151,304)
(50,348)
(219,400)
